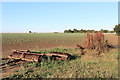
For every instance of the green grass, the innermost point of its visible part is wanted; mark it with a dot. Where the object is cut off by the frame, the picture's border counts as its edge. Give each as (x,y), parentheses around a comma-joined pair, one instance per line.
(44,38)
(36,41)
(80,66)
(85,66)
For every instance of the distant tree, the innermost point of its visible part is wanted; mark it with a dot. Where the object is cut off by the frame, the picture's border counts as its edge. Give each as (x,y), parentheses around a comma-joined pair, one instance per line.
(75,31)
(90,31)
(30,31)
(117,29)
(105,31)
(65,31)
(101,30)
(56,32)
(82,31)
(112,31)
(68,31)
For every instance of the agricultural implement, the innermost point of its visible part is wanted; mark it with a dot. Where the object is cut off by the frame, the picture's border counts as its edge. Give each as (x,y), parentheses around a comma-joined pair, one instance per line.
(27,55)
(59,55)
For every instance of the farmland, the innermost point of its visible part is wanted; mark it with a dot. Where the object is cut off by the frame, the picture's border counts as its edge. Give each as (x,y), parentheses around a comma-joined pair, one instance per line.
(81,66)
(37,41)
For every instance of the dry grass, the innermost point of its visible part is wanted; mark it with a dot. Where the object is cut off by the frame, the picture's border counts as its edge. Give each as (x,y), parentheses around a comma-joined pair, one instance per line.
(96,41)
(84,66)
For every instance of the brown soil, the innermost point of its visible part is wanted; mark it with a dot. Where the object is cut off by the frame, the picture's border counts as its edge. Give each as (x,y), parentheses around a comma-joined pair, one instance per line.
(7,49)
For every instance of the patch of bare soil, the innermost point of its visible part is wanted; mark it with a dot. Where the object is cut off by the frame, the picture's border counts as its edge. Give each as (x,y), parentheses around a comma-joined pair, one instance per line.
(112,39)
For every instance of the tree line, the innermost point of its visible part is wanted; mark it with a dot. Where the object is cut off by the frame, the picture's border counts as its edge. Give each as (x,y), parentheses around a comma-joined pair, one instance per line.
(115,29)
(84,31)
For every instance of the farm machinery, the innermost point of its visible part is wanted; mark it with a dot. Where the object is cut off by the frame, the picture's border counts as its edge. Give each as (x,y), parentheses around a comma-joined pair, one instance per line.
(27,55)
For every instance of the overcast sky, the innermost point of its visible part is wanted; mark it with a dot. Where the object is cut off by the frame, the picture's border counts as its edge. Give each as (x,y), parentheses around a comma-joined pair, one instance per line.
(58,16)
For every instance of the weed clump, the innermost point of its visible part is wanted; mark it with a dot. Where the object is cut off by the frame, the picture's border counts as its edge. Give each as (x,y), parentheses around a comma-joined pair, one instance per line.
(96,41)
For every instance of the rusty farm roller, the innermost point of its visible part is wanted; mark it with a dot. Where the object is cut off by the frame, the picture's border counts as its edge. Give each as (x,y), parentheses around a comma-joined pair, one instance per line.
(59,55)
(27,55)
